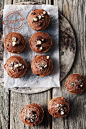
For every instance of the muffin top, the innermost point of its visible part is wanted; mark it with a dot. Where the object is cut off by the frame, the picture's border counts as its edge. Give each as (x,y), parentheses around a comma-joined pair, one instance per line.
(14,42)
(40,42)
(32,114)
(41,65)
(75,83)
(58,107)
(15,66)
(38,19)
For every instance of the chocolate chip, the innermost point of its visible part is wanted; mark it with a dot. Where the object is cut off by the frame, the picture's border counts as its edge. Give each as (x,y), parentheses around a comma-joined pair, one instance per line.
(33,13)
(59,111)
(11,65)
(55,113)
(7,44)
(39,37)
(25,118)
(34,124)
(40,23)
(77,87)
(38,45)
(33,112)
(19,70)
(18,42)
(28,118)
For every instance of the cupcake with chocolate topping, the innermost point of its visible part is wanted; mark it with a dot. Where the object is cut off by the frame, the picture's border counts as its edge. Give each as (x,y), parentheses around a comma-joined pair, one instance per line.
(58,107)
(75,83)
(14,42)
(40,42)
(15,66)
(41,65)
(38,19)
(32,114)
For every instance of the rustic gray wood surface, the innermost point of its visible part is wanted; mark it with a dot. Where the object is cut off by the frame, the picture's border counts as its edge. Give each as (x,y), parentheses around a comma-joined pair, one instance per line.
(11,102)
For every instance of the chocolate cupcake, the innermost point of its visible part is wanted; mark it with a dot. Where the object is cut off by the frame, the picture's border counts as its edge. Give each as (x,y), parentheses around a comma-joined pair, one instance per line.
(75,83)
(32,114)
(38,19)
(58,107)
(15,66)
(40,42)
(41,65)
(14,42)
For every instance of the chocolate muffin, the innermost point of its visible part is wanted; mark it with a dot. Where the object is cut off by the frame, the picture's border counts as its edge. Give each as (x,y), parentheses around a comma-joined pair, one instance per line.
(14,42)
(40,42)
(32,114)
(15,66)
(58,107)
(75,83)
(38,19)
(41,65)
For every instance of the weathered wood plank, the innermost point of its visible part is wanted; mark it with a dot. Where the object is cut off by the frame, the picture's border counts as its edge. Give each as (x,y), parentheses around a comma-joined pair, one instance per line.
(8,2)
(1,4)
(59,3)
(4,108)
(48,2)
(15,1)
(75,12)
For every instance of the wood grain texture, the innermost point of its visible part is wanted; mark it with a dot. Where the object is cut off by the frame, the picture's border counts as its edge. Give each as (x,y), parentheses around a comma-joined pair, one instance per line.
(74,10)
(4,108)
(75,13)
(1,4)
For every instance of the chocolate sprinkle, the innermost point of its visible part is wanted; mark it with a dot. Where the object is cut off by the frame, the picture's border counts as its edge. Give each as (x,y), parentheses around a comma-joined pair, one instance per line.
(33,13)
(19,70)
(38,45)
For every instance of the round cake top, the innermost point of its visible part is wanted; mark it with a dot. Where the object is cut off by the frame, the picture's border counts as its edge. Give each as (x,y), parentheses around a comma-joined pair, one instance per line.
(32,114)
(40,42)
(15,66)
(41,65)
(38,19)
(58,107)
(75,83)
(14,42)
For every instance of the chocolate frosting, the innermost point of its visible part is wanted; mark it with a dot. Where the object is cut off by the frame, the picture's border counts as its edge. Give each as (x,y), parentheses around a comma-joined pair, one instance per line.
(40,40)
(32,114)
(41,65)
(15,66)
(8,43)
(58,107)
(75,83)
(41,23)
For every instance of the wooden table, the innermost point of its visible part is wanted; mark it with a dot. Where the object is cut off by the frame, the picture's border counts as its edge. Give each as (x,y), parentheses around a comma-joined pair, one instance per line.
(11,102)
